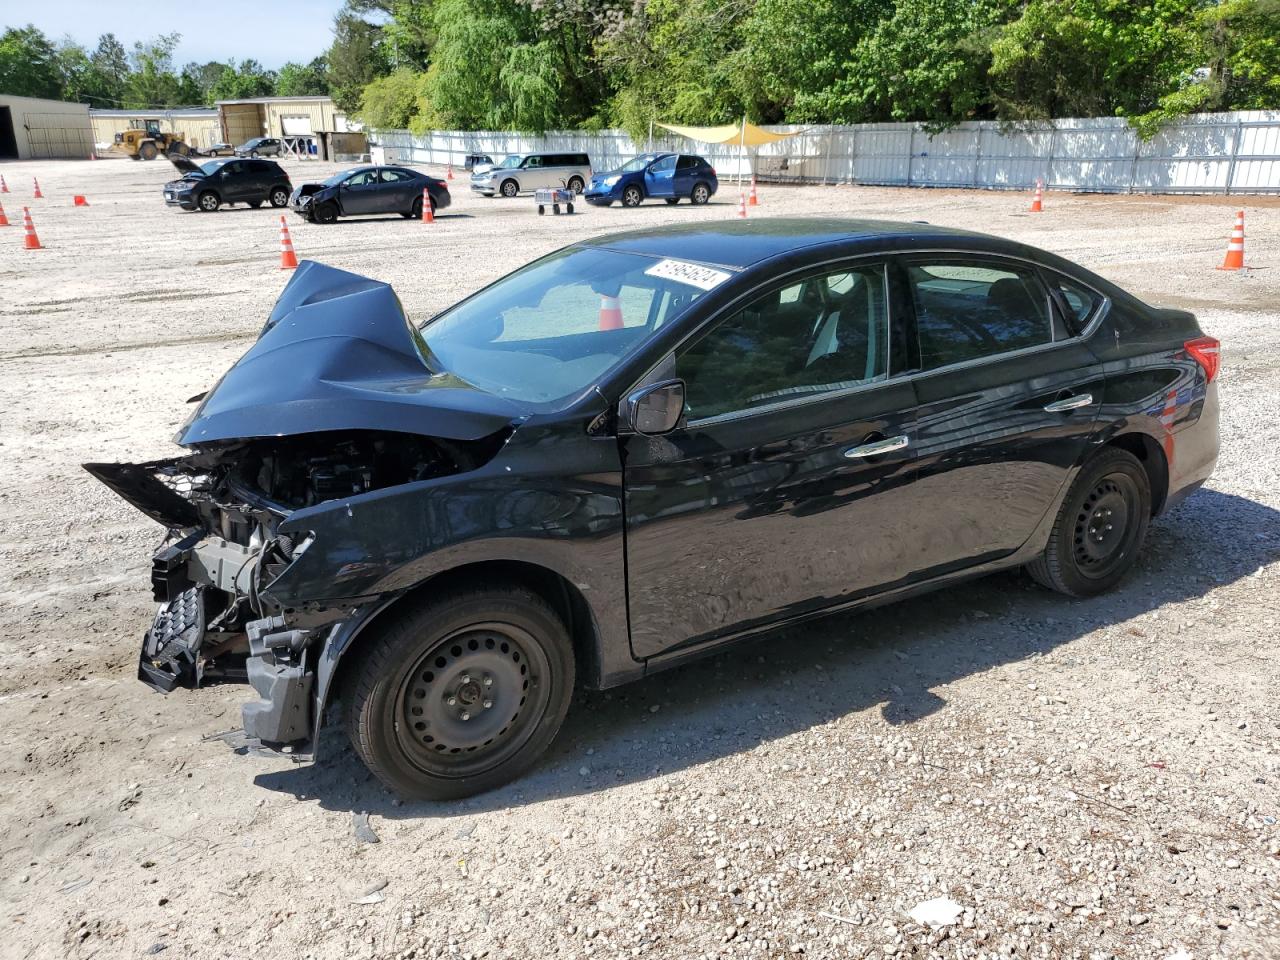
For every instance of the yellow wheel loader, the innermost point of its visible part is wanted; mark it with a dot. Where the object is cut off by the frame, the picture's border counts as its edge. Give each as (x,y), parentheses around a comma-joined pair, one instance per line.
(146,142)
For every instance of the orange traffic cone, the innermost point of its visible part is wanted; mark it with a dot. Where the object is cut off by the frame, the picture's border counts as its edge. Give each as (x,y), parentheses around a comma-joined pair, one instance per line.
(751,197)
(428,215)
(4,221)
(30,241)
(38,195)
(610,313)
(742,205)
(449,172)
(1235,246)
(4,187)
(287,258)
(1037,204)
(79,201)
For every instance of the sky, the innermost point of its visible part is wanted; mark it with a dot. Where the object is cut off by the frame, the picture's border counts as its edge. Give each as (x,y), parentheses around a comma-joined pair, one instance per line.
(272,32)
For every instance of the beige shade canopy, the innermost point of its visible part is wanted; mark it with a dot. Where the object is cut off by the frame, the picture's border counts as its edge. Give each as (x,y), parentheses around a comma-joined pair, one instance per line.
(744,134)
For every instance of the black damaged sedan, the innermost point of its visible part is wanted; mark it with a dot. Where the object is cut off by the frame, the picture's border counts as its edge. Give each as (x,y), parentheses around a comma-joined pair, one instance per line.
(635,451)
(361,191)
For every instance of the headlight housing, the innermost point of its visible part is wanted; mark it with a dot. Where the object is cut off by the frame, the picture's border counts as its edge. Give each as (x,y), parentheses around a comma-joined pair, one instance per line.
(610,181)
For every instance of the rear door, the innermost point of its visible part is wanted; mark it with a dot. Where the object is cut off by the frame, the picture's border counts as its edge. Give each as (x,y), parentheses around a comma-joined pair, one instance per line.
(787,490)
(1008,400)
(686,174)
(659,179)
(399,188)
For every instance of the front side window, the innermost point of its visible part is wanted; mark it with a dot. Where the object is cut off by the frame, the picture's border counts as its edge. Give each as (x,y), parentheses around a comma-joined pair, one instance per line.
(533,163)
(362,178)
(821,335)
(664,165)
(972,309)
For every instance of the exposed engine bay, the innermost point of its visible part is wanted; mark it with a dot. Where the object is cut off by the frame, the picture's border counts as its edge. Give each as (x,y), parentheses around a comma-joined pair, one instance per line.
(213,574)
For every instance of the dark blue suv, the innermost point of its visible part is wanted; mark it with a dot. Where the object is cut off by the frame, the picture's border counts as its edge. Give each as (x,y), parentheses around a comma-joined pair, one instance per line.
(665,176)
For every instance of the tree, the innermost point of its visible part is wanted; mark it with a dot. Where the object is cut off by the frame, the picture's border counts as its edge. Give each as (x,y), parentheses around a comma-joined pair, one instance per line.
(201,77)
(111,61)
(356,58)
(152,83)
(247,80)
(297,80)
(28,64)
(390,102)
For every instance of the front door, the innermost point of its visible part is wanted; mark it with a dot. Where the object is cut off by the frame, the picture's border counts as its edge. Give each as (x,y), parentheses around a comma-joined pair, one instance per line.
(1008,400)
(360,193)
(784,492)
(233,181)
(659,179)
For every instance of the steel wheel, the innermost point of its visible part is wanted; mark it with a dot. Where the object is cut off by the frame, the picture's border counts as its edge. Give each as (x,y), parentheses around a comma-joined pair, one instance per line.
(1099,528)
(457,695)
(472,701)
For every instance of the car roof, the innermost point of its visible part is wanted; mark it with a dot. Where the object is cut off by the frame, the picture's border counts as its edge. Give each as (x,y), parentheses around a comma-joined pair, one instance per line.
(739,244)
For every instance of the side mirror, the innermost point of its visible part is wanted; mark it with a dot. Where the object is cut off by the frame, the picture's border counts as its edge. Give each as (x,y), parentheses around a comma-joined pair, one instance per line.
(654,410)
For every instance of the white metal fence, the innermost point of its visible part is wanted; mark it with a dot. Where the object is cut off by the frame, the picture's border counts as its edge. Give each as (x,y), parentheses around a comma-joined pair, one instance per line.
(1203,153)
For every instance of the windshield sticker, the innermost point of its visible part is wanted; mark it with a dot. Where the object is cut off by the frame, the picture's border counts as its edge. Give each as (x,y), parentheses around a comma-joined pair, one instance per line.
(693,274)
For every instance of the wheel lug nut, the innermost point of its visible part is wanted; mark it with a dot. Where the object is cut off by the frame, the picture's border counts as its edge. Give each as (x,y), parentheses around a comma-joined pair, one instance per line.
(488,704)
(452,701)
(488,681)
(1108,526)
(465,678)
(465,715)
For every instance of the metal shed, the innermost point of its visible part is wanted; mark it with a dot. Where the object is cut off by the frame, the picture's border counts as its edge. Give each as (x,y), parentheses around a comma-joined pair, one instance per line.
(36,129)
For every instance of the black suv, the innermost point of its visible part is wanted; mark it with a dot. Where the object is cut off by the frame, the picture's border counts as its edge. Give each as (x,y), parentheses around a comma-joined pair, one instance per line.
(207,186)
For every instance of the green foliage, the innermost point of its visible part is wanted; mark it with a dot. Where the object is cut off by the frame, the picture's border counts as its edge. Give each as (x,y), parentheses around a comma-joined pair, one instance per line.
(151,81)
(299,80)
(390,102)
(357,57)
(28,64)
(249,79)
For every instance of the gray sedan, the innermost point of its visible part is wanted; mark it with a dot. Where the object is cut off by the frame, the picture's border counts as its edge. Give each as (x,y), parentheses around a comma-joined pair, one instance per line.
(369,190)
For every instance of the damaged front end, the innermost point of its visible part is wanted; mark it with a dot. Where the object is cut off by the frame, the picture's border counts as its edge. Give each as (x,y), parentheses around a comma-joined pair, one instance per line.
(334,402)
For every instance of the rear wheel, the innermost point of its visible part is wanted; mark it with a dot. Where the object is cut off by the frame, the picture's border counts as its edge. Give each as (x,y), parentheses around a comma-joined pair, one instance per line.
(575,184)
(701,194)
(632,196)
(461,694)
(279,196)
(1099,529)
(415,211)
(147,151)
(208,201)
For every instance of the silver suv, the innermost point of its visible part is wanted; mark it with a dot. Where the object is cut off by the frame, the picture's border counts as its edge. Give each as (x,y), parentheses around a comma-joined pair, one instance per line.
(525,172)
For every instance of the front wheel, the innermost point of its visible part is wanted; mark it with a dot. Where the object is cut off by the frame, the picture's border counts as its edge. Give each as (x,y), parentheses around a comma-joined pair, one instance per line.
(632,196)
(325,213)
(1099,529)
(208,201)
(510,188)
(460,694)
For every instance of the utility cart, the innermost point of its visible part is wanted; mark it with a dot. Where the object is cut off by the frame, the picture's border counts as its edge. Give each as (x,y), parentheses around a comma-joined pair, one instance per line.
(553,198)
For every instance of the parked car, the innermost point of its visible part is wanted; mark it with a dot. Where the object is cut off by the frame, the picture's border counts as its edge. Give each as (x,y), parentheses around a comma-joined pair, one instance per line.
(524,172)
(662,176)
(365,190)
(218,150)
(261,147)
(636,450)
(474,161)
(207,186)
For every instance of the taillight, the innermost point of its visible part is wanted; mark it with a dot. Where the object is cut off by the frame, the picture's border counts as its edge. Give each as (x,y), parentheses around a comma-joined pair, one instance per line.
(1204,351)
(713,171)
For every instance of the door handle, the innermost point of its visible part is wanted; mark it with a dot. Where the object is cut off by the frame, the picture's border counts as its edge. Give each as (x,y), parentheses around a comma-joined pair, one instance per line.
(1069,403)
(877,447)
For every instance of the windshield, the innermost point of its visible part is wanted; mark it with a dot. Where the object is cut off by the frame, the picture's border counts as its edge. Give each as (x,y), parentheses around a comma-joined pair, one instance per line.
(212,167)
(251,143)
(511,162)
(550,330)
(638,163)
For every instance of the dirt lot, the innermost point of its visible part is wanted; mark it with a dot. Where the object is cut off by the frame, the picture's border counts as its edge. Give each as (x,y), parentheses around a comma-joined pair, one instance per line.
(1085,779)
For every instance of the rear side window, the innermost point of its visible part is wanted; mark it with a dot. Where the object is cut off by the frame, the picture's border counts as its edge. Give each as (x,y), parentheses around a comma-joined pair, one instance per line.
(969,310)
(395,176)
(687,163)
(1080,302)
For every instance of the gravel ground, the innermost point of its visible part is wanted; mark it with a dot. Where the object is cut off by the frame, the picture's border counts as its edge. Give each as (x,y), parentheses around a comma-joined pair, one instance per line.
(1080,779)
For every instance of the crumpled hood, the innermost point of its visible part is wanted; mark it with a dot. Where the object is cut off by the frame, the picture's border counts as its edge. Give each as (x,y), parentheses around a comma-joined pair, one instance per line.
(338,353)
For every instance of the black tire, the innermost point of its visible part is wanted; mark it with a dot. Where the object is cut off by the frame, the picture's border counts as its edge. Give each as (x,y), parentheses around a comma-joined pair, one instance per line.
(632,196)
(415,210)
(255,204)
(576,185)
(1099,529)
(279,197)
(568,208)
(180,149)
(700,195)
(325,213)
(672,201)
(510,189)
(253,154)
(147,151)
(541,210)
(433,664)
(134,156)
(208,202)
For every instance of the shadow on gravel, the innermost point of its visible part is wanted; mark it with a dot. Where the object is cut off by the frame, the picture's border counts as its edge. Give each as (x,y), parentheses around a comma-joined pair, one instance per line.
(891,657)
